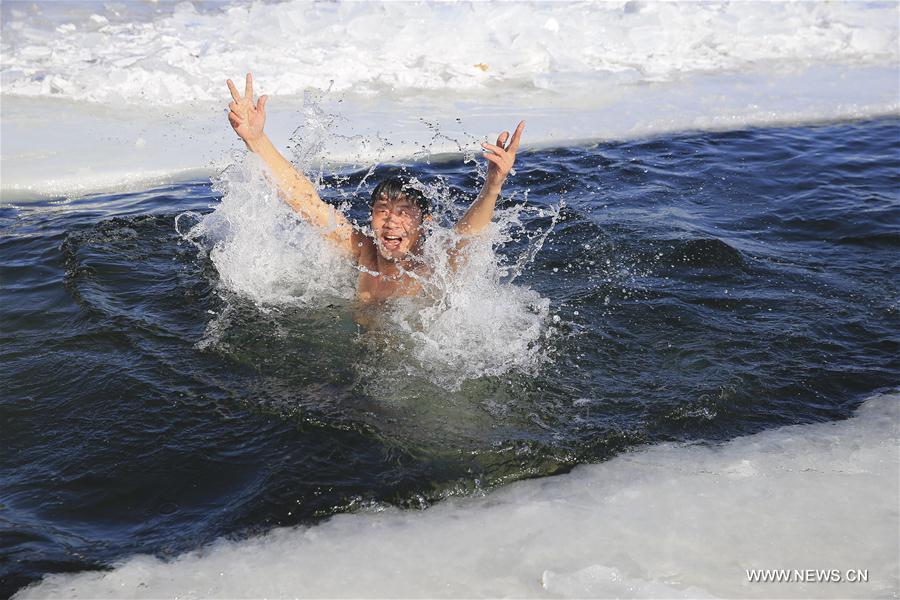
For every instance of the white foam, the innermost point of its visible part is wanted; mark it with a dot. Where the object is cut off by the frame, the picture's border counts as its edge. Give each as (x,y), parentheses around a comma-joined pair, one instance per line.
(103,96)
(664,521)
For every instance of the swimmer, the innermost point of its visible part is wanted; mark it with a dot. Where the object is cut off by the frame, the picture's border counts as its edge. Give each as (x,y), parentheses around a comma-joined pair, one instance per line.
(386,258)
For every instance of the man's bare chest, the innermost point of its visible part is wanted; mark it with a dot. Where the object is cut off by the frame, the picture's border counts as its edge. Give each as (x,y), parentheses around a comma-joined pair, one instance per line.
(374,285)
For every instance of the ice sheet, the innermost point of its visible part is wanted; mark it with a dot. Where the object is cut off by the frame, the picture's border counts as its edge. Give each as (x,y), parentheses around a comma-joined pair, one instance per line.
(103,96)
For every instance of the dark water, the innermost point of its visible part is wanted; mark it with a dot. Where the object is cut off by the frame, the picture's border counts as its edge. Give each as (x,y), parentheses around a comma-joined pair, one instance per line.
(709,286)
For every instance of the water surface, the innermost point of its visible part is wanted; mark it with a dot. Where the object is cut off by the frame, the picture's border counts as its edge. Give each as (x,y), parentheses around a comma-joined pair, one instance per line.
(700,287)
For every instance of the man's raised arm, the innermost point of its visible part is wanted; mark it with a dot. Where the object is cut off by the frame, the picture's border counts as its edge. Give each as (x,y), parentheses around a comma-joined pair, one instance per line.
(501,158)
(297,191)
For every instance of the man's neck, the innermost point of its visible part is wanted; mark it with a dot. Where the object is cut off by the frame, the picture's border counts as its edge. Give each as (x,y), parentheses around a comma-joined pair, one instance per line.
(394,268)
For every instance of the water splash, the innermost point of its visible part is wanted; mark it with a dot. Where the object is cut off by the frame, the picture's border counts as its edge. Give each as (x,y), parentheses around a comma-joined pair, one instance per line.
(475,322)
(472,320)
(263,250)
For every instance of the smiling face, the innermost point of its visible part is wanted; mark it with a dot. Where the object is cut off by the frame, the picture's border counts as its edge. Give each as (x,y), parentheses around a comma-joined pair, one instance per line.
(396,226)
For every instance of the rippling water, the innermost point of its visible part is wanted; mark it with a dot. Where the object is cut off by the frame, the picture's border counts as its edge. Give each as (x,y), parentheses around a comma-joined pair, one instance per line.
(700,287)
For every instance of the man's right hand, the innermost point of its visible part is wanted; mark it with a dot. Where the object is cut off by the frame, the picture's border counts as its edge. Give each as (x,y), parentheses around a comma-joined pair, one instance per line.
(246,119)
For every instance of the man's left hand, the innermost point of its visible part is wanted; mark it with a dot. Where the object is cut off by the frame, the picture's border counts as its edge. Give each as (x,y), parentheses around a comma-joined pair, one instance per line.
(501,156)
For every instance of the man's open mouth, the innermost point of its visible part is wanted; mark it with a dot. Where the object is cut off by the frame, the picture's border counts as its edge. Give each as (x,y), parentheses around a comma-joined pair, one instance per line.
(391,242)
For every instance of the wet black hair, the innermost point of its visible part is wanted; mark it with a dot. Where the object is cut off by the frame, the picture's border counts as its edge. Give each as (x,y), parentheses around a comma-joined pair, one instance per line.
(395,187)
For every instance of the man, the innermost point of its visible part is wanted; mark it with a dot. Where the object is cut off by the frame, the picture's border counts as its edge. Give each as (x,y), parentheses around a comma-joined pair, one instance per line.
(386,258)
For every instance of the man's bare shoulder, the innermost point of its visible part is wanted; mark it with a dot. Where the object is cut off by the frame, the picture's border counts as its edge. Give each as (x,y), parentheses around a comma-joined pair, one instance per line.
(363,247)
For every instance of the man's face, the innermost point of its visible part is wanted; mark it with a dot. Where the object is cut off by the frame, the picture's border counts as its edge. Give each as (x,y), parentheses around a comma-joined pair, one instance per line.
(396,226)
